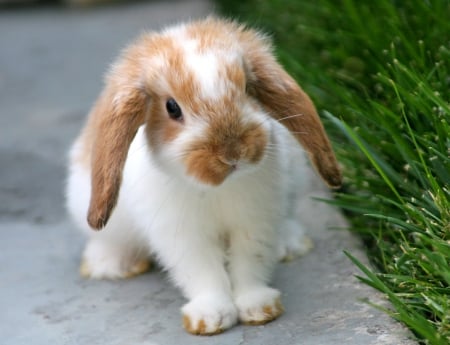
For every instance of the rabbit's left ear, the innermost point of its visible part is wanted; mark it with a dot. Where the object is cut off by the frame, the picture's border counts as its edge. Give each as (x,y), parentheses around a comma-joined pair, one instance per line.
(290,105)
(115,119)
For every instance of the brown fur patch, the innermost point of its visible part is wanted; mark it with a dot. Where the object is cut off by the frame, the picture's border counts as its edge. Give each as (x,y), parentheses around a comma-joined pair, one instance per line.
(138,268)
(211,33)
(200,329)
(270,314)
(187,324)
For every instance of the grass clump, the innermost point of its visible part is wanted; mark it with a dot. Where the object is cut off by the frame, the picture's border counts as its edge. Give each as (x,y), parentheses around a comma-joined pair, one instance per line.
(380,73)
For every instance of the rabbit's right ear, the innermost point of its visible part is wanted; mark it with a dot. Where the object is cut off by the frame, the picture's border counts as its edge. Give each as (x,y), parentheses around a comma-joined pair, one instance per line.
(285,101)
(115,119)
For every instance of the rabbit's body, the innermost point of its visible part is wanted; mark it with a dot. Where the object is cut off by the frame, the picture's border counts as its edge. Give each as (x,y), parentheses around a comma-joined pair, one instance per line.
(208,238)
(207,183)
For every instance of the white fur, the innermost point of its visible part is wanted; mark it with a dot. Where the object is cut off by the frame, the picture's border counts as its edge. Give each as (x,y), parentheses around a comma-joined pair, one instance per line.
(206,66)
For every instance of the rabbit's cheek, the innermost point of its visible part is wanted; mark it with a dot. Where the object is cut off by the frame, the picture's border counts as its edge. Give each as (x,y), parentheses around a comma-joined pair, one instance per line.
(254,143)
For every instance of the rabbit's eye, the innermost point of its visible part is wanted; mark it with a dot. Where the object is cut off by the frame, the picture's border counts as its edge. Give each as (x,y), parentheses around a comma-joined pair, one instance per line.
(174,110)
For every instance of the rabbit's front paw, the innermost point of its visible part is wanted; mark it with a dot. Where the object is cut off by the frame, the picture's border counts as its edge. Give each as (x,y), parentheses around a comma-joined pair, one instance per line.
(259,306)
(209,315)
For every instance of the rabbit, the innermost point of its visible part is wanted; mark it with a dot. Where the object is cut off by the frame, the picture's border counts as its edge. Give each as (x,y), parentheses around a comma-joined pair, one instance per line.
(192,155)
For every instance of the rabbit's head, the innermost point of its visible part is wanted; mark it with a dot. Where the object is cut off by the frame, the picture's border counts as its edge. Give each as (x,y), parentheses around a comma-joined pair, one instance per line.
(205,91)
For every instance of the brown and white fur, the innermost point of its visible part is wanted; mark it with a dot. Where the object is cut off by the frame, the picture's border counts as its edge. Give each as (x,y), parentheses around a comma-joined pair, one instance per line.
(187,156)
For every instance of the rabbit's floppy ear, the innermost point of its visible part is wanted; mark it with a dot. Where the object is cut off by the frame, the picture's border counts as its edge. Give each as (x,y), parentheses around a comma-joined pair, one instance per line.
(115,119)
(290,105)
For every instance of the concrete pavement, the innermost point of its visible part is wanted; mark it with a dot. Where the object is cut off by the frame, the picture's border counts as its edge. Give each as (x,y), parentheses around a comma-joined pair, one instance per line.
(51,66)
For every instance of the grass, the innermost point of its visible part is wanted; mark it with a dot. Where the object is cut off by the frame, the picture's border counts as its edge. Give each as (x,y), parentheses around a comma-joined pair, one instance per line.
(379,72)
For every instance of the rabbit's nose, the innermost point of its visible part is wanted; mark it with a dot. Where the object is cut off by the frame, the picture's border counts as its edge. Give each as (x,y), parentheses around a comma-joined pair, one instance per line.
(232,149)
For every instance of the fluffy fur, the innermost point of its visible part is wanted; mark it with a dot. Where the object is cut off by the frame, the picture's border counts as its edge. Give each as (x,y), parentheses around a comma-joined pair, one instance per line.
(209,193)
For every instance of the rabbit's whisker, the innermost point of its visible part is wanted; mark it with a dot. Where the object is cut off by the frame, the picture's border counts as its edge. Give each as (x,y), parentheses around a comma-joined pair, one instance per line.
(289,117)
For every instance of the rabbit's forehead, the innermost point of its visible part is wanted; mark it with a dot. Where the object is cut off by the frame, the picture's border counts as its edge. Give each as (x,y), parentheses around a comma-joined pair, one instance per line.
(197,68)
(216,73)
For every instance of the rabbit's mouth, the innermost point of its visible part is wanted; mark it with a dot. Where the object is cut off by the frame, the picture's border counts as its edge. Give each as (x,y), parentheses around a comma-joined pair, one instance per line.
(212,170)
(232,163)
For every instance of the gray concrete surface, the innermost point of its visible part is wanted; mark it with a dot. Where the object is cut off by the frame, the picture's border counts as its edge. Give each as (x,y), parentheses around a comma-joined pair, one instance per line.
(51,64)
